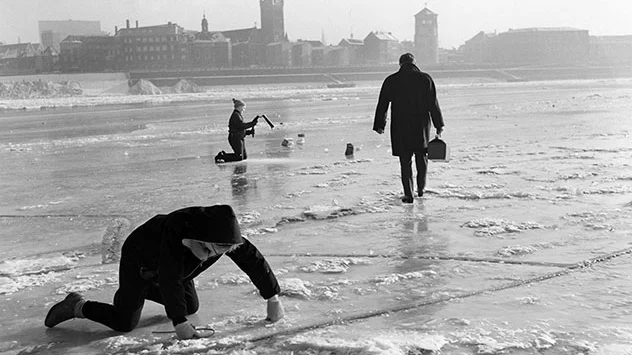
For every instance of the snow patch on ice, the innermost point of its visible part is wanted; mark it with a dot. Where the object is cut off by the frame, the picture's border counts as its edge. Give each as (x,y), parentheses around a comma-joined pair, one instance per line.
(479,192)
(512,250)
(590,220)
(319,212)
(87,282)
(400,343)
(394,278)
(13,268)
(333,266)
(489,227)
(249,217)
(10,285)
(295,288)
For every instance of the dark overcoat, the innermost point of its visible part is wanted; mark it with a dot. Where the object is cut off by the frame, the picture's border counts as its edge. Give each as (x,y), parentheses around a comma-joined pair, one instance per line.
(155,248)
(413,99)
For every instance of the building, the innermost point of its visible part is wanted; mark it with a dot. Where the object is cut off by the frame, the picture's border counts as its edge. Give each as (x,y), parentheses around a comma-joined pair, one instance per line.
(278,54)
(153,47)
(53,32)
(50,60)
(426,37)
(20,58)
(553,45)
(89,53)
(478,49)
(528,46)
(247,47)
(381,48)
(611,49)
(210,49)
(272,21)
(353,52)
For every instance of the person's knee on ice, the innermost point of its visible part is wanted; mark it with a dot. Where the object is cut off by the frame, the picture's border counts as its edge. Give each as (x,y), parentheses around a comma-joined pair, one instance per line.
(238,129)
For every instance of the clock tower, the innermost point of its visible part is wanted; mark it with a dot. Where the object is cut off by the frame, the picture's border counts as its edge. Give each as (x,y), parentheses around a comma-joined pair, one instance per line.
(272,26)
(426,37)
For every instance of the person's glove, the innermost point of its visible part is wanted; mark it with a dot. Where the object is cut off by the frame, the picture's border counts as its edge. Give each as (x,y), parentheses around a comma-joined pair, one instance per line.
(275,309)
(186,330)
(256,119)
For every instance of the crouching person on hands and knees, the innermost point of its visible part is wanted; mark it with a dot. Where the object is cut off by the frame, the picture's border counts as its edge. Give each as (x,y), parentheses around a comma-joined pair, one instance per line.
(159,261)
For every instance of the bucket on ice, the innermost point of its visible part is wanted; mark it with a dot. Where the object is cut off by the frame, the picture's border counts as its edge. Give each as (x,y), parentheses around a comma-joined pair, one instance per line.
(438,150)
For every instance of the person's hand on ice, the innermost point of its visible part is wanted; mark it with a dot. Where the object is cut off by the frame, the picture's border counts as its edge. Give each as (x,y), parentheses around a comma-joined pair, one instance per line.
(275,309)
(186,330)
(379,130)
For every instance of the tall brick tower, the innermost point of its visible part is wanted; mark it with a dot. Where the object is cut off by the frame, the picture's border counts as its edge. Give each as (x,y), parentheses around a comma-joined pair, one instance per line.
(272,25)
(426,37)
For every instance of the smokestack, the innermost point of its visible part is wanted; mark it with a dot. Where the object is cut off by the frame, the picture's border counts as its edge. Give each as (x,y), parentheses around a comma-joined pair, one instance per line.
(115,29)
(136,23)
(127,23)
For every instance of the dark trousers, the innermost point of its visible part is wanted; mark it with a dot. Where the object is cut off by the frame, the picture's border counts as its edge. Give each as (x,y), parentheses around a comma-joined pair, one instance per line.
(405,163)
(238,143)
(124,314)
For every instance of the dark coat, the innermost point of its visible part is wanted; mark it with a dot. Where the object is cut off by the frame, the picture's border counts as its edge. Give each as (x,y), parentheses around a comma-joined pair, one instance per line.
(237,126)
(413,99)
(156,246)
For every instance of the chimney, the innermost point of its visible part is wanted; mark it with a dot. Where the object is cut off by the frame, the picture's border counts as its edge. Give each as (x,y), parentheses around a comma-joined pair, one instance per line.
(136,23)
(127,23)
(115,30)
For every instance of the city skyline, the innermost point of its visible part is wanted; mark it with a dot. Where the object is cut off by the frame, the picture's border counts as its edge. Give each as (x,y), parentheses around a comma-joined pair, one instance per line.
(335,19)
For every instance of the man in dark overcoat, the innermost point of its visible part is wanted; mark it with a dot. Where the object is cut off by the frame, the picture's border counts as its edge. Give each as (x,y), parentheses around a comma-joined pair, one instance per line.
(412,96)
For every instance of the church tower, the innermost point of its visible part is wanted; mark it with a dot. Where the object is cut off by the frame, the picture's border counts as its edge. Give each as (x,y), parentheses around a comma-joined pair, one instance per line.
(204,24)
(272,26)
(426,37)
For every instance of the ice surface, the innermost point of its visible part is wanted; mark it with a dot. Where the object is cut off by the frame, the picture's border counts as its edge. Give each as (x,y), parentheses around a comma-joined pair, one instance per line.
(539,180)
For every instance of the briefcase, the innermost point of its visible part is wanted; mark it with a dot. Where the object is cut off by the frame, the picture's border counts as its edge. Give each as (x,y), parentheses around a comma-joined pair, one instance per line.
(438,150)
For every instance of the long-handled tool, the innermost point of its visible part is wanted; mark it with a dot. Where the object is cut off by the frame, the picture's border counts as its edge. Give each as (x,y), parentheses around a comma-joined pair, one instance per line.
(268,121)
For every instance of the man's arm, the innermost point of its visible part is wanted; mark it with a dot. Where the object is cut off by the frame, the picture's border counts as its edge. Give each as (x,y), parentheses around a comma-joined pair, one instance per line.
(238,124)
(252,262)
(379,123)
(435,110)
(171,273)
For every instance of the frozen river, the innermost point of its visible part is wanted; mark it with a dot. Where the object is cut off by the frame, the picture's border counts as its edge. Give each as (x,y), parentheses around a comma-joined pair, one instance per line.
(521,244)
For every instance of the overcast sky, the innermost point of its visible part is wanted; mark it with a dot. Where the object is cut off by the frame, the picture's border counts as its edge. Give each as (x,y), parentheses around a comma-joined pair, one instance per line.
(459,20)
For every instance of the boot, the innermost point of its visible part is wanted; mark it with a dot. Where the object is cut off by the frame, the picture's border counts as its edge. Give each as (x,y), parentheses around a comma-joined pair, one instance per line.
(65,310)
(219,158)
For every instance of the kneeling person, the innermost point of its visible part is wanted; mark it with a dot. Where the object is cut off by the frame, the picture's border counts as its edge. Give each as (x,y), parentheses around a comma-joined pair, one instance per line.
(159,261)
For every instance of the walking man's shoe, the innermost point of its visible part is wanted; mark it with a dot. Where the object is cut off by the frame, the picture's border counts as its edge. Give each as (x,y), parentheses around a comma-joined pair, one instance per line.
(407,199)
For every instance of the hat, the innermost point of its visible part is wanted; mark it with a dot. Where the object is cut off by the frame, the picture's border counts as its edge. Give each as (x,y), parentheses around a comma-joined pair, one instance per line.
(211,224)
(238,103)
(406,58)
